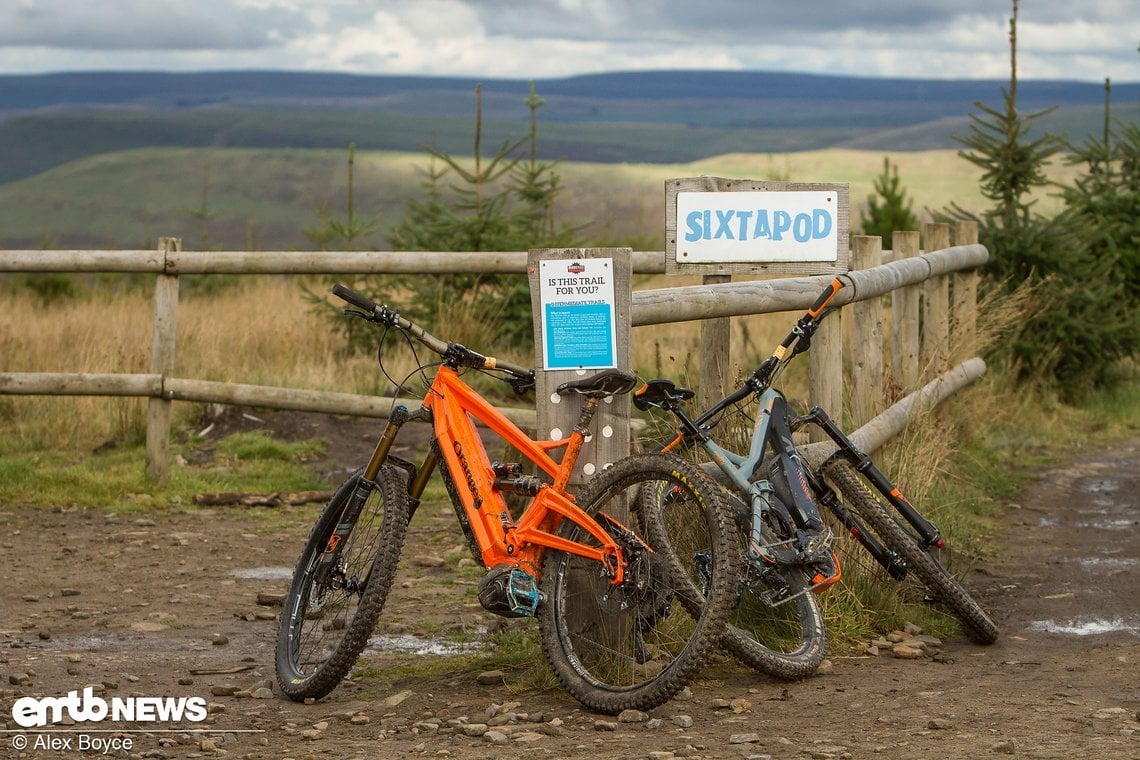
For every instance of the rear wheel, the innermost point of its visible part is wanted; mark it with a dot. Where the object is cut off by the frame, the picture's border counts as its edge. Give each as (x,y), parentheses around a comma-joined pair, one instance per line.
(775,625)
(340,584)
(941,587)
(635,644)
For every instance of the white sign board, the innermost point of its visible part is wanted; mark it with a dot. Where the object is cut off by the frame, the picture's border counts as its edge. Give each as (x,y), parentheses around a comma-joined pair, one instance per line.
(577,298)
(756,227)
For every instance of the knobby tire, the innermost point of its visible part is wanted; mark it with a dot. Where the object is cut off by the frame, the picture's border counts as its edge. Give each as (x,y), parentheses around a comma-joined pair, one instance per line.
(786,641)
(635,645)
(943,587)
(308,667)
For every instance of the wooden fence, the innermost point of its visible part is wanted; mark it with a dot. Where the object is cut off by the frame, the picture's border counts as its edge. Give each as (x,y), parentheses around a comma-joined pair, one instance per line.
(941,281)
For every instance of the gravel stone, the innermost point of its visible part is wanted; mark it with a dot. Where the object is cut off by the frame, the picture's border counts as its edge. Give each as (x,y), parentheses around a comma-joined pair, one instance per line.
(491,678)
(496,737)
(632,716)
(744,738)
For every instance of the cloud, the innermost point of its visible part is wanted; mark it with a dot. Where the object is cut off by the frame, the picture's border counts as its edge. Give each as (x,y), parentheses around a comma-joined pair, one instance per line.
(143,25)
(552,38)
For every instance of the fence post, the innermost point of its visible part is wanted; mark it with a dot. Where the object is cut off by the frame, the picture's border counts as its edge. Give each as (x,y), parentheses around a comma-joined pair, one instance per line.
(557,414)
(158,411)
(936,305)
(866,337)
(825,371)
(904,317)
(714,353)
(964,317)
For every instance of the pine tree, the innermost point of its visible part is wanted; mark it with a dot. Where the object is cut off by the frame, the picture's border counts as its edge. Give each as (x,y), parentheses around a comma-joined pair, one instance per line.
(500,203)
(894,212)
(1077,332)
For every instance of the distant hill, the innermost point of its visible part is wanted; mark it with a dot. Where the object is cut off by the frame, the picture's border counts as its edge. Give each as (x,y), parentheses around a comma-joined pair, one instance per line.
(702,98)
(646,117)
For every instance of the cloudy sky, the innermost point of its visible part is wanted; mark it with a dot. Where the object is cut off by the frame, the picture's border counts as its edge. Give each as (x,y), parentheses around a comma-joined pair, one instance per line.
(1058,39)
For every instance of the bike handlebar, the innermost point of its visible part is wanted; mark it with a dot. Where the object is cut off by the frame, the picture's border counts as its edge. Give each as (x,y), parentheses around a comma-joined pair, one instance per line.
(763,376)
(825,297)
(804,328)
(452,352)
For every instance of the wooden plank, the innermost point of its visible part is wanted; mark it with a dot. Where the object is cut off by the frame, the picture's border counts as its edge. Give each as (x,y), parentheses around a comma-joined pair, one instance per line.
(935,353)
(158,412)
(680,304)
(905,337)
(288,262)
(866,337)
(825,370)
(79,384)
(964,294)
(557,415)
(207,391)
(82,261)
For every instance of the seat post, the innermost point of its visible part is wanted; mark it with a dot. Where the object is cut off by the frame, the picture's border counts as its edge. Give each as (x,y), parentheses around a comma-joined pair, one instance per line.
(586,416)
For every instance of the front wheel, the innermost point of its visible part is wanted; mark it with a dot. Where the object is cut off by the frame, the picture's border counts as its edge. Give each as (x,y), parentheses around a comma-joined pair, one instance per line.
(340,584)
(635,644)
(942,587)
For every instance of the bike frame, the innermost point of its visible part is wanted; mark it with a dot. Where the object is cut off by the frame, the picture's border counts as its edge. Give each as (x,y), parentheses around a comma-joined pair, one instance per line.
(453,408)
(773,407)
(770,431)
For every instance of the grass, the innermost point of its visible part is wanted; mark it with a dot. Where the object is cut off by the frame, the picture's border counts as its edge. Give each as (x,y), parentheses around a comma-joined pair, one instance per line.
(114,479)
(264,199)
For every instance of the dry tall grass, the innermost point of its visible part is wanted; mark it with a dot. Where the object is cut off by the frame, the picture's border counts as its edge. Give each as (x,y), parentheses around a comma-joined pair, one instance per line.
(261,332)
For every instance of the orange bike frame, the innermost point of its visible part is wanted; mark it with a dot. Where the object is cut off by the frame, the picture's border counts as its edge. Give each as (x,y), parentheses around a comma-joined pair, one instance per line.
(501,540)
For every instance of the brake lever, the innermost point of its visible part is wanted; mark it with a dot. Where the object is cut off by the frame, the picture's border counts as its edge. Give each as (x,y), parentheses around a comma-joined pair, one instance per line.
(522,385)
(355,313)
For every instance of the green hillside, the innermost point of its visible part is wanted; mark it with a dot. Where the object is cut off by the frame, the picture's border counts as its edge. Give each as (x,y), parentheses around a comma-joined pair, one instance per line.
(34,143)
(264,199)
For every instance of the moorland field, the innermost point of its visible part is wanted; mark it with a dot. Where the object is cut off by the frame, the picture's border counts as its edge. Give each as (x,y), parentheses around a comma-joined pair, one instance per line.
(248,159)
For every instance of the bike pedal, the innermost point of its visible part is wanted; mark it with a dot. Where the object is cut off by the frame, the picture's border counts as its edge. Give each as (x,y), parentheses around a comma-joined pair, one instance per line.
(509,592)
(522,593)
(827,577)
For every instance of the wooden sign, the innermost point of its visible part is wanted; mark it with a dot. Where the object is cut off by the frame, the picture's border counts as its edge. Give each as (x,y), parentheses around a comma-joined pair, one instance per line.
(726,226)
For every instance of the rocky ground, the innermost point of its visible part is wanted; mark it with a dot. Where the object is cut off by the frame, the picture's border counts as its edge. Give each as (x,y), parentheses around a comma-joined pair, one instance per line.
(166,604)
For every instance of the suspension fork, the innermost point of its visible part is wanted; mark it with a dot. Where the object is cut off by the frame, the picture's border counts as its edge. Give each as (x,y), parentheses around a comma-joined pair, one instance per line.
(926,530)
(891,562)
(330,558)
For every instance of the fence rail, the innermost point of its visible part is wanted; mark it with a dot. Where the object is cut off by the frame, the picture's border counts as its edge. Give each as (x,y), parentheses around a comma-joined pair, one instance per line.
(912,278)
(175,261)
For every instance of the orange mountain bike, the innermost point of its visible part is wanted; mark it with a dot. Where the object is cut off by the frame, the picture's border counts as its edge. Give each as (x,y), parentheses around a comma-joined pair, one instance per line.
(613,624)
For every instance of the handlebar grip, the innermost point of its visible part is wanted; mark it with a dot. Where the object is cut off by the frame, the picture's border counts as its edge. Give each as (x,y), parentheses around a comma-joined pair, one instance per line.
(354,298)
(825,298)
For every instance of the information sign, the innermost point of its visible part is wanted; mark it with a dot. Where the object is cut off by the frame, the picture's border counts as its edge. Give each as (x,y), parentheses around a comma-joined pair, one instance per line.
(577,298)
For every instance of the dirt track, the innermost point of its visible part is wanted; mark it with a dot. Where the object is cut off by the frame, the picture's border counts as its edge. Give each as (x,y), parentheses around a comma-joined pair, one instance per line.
(135,605)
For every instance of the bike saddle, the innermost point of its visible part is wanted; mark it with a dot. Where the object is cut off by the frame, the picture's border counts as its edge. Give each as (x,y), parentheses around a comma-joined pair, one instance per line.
(608,382)
(658,392)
